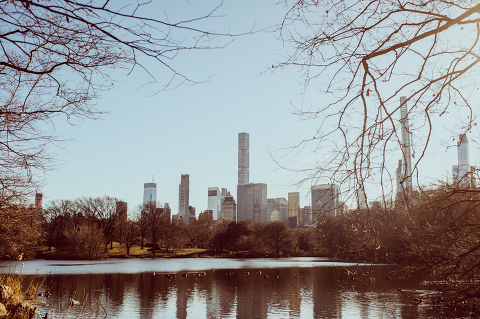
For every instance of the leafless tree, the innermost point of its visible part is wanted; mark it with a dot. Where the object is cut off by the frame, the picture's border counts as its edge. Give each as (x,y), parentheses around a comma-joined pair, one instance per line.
(175,235)
(200,231)
(85,241)
(130,233)
(156,223)
(56,220)
(57,56)
(20,229)
(278,235)
(108,217)
(443,239)
(363,56)
(142,223)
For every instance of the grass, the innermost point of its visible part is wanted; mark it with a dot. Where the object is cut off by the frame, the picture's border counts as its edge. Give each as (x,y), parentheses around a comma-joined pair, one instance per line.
(14,281)
(22,295)
(135,251)
(119,251)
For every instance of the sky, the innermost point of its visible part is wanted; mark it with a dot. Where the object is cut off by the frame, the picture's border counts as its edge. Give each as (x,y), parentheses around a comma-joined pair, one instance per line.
(193,129)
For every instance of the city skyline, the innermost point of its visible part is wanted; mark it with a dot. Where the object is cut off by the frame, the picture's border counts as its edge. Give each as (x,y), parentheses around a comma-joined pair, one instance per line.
(193,129)
(150,189)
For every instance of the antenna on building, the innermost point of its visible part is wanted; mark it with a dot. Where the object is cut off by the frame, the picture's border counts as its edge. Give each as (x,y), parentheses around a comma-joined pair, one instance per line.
(153,178)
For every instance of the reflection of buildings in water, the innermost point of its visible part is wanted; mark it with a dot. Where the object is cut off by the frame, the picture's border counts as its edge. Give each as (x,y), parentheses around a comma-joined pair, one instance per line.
(292,291)
(314,293)
(252,296)
(221,296)
(213,306)
(185,287)
(147,295)
(325,294)
(117,285)
(153,293)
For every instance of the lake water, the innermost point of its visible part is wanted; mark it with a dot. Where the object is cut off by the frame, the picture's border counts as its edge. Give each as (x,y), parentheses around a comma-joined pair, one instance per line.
(223,288)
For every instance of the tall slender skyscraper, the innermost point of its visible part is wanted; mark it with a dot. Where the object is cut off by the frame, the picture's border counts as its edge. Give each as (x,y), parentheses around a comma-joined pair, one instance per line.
(149,193)
(183,197)
(405,176)
(461,172)
(243,158)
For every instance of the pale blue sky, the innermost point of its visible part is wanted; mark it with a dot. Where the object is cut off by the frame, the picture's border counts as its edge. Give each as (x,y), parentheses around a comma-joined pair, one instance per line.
(193,129)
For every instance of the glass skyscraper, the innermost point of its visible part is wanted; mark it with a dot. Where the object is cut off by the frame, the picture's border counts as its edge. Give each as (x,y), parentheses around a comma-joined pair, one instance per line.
(149,193)
(215,202)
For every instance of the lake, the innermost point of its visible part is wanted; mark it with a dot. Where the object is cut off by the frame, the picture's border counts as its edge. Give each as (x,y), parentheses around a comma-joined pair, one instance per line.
(224,288)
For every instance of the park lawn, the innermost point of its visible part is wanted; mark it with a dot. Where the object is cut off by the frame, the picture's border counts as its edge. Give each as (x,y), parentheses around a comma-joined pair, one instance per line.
(120,251)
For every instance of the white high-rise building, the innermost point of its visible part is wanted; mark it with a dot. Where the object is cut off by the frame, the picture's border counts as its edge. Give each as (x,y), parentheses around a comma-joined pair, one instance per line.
(404,171)
(215,202)
(183,197)
(461,172)
(149,193)
(243,158)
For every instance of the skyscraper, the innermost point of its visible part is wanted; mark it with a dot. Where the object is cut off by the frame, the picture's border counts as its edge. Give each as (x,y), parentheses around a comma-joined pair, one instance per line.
(462,172)
(293,209)
(222,198)
(280,205)
(362,199)
(405,175)
(183,196)
(214,202)
(38,200)
(243,158)
(149,193)
(168,212)
(252,202)
(306,215)
(325,200)
(229,208)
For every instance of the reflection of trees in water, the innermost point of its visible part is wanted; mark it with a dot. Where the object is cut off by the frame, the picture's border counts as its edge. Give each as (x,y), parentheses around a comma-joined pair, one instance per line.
(92,290)
(323,291)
